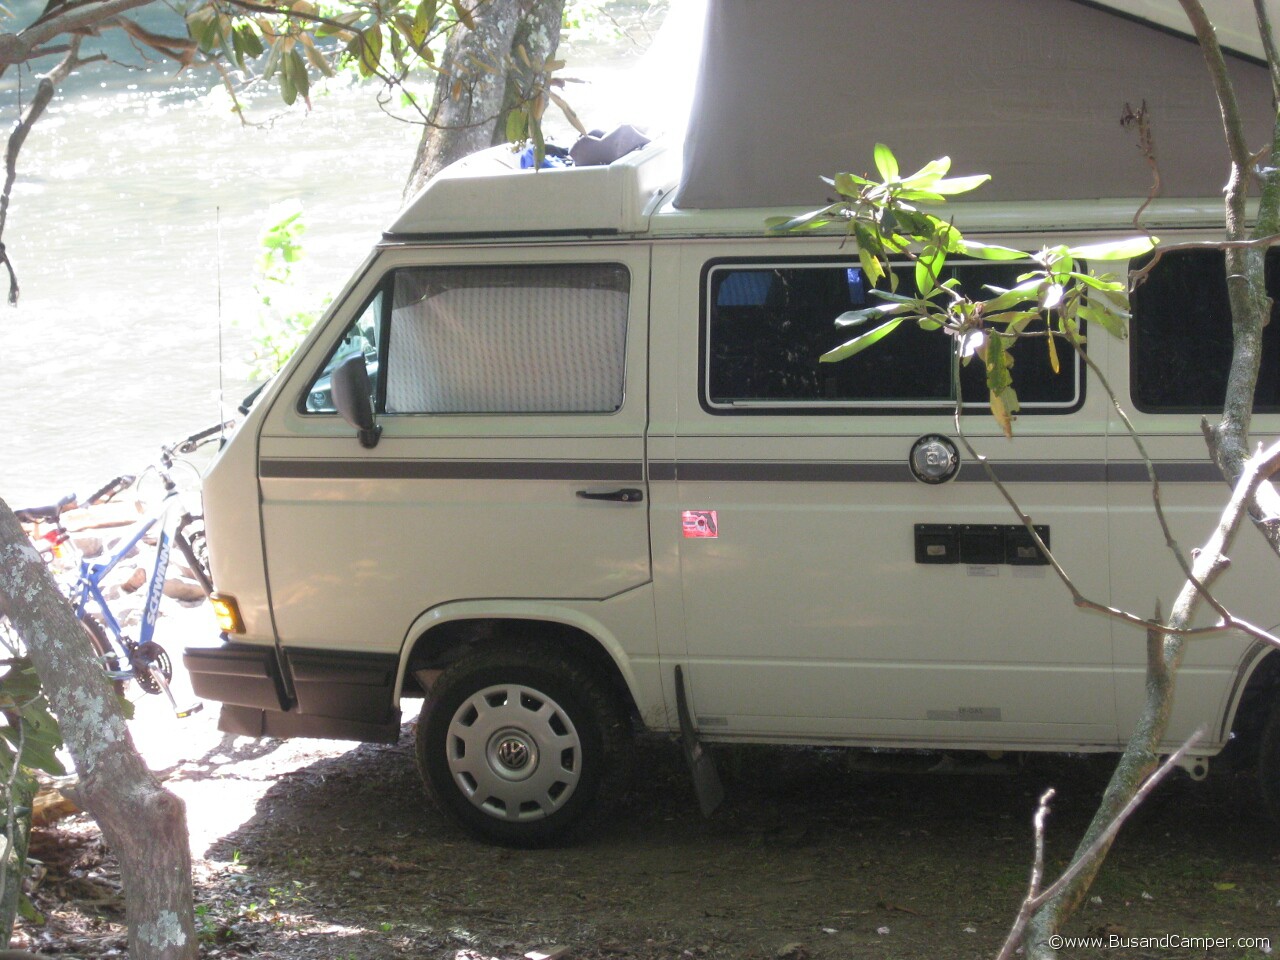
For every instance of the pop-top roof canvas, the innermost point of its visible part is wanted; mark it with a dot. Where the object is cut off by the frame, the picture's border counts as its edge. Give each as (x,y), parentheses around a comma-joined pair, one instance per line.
(1029,91)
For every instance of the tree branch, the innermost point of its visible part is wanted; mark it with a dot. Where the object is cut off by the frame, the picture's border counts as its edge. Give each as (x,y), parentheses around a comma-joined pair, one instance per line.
(1268,46)
(20,47)
(45,87)
(1035,898)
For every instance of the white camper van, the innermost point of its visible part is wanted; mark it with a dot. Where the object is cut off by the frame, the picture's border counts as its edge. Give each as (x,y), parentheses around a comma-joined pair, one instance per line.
(561,459)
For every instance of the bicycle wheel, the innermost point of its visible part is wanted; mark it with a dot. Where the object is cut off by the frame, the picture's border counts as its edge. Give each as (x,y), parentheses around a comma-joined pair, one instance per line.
(11,645)
(101,643)
(195,548)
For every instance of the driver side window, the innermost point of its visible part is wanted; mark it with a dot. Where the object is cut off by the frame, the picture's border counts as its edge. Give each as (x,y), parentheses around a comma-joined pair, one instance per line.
(362,337)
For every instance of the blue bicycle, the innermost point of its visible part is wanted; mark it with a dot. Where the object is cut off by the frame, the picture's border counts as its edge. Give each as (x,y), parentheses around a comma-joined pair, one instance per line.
(124,658)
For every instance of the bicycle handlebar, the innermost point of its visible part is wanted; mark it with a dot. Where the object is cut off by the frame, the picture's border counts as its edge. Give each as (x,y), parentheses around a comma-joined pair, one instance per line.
(49,513)
(111,488)
(198,439)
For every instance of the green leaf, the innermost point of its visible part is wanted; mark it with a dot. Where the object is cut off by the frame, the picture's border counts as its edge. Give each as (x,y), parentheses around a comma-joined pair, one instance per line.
(202,26)
(273,58)
(929,174)
(1004,402)
(852,318)
(920,196)
(990,251)
(316,58)
(366,48)
(886,162)
(858,344)
(1053,355)
(812,220)
(998,362)
(424,19)
(928,268)
(250,41)
(301,79)
(288,91)
(1093,312)
(849,184)
(539,144)
(898,297)
(1116,249)
(517,126)
(1007,299)
(954,185)
(1106,283)
(226,37)
(1016,319)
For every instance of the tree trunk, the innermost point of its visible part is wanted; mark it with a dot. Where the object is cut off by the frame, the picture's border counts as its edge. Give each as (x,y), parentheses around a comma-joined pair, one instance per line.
(469,100)
(1165,652)
(538,32)
(144,825)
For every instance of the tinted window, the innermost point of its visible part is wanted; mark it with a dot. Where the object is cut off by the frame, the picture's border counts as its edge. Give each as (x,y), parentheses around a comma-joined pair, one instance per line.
(768,325)
(1180,353)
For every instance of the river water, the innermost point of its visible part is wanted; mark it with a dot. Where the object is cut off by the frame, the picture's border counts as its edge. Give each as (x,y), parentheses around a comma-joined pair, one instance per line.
(134,228)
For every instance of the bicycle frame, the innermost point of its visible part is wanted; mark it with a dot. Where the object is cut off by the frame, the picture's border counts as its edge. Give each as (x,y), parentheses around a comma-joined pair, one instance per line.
(92,573)
(89,591)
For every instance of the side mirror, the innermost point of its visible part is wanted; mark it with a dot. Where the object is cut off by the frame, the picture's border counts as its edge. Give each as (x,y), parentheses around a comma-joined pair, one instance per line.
(352,397)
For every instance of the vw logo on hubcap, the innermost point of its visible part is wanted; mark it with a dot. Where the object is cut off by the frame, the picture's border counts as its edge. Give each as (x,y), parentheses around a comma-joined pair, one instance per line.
(513,753)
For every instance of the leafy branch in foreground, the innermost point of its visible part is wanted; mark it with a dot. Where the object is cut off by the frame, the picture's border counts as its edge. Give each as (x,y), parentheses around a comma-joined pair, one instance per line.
(889,222)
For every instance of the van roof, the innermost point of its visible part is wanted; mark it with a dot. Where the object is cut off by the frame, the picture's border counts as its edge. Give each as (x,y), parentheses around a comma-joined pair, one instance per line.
(488,196)
(488,193)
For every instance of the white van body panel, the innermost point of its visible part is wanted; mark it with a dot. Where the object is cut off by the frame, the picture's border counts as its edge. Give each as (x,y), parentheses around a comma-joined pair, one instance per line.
(809,616)
(449,507)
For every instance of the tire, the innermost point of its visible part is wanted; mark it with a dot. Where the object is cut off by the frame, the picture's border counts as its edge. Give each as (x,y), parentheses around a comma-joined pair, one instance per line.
(521,747)
(1269,764)
(102,648)
(195,550)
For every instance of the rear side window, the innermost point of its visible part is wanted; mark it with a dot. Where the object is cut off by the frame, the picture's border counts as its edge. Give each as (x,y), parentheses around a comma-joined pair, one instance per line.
(767,325)
(1180,350)
(544,338)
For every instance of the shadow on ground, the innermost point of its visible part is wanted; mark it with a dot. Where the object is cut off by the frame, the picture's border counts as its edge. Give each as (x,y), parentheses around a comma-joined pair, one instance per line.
(808,858)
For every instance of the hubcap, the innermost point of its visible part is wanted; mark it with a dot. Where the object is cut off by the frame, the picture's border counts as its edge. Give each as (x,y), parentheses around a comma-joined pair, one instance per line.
(512,755)
(514,752)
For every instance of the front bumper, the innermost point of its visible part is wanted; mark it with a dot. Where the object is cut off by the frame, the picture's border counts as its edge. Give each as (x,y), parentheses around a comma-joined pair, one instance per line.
(342,696)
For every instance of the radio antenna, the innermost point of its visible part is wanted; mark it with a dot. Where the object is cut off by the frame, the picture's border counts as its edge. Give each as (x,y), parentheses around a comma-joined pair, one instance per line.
(222,405)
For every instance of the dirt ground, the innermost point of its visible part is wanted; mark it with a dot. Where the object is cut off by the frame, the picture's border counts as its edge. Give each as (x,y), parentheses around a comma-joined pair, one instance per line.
(323,849)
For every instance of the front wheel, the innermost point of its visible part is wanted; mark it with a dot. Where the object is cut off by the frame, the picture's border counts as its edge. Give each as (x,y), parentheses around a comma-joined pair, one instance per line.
(1269,764)
(518,746)
(102,649)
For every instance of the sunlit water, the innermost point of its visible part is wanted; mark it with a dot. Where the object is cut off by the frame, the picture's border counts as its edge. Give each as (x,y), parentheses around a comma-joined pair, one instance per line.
(134,229)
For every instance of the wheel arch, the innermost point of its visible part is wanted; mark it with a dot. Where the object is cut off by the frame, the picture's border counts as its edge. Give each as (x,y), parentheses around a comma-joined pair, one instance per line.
(442,634)
(1254,694)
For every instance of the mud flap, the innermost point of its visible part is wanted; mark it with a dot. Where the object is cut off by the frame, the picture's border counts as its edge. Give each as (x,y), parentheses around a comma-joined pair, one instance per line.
(706,781)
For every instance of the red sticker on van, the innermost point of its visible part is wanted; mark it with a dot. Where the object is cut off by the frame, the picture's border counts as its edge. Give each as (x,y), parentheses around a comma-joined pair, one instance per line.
(700,524)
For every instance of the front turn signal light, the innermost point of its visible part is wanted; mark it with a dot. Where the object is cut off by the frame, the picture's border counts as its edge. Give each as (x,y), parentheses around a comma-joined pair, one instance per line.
(227,612)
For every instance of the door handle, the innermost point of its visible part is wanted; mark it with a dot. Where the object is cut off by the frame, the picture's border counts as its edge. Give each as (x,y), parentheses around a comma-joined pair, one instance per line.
(625,495)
